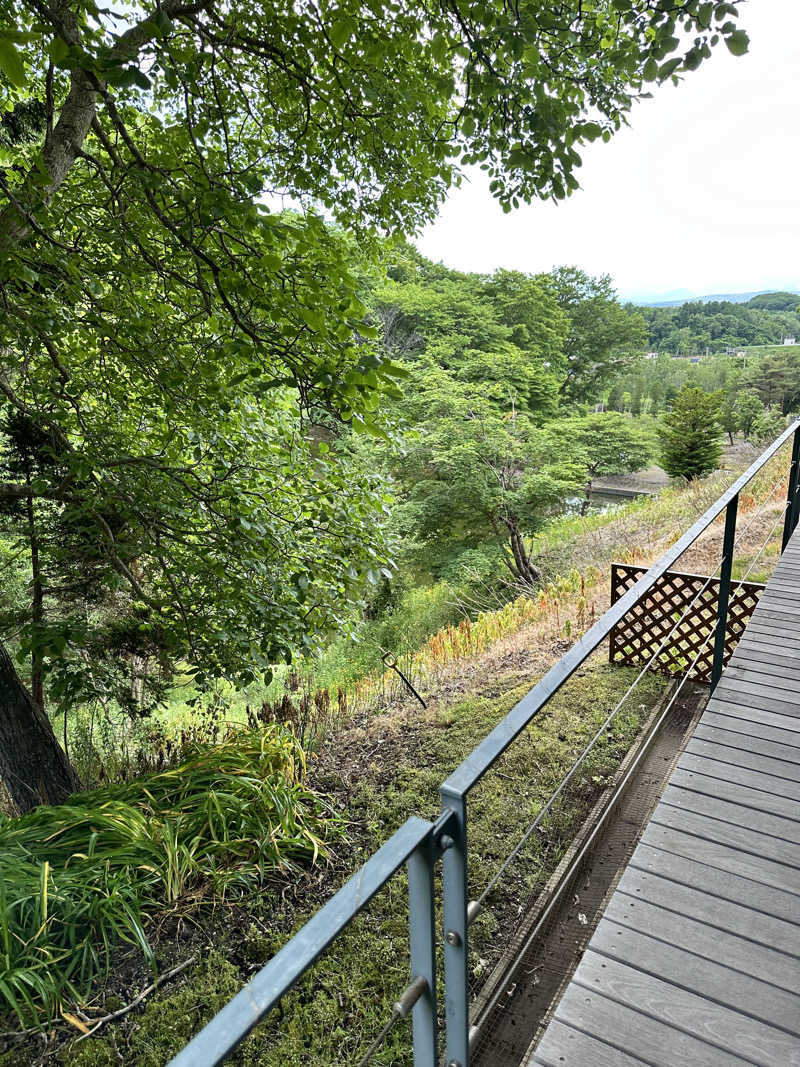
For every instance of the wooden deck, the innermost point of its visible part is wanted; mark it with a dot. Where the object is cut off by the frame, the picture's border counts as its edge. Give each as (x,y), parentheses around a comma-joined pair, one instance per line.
(697,957)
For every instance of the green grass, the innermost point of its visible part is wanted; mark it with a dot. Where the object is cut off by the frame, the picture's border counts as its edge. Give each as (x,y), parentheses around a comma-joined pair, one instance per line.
(79,880)
(332,1015)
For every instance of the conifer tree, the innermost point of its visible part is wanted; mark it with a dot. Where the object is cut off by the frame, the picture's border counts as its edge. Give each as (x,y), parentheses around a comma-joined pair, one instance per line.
(690,434)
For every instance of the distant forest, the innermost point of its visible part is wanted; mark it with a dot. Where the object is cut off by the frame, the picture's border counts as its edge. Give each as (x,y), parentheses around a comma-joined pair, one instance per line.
(694,327)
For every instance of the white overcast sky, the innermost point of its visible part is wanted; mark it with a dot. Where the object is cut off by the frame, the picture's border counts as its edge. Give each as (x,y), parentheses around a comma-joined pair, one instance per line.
(700,194)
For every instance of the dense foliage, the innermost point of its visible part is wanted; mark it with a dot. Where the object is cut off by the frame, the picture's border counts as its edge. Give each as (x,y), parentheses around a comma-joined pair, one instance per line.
(603,337)
(717,325)
(494,363)
(172,342)
(772,375)
(81,879)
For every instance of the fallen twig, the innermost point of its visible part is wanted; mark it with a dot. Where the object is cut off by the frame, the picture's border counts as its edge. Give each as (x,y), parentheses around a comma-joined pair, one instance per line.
(137,1000)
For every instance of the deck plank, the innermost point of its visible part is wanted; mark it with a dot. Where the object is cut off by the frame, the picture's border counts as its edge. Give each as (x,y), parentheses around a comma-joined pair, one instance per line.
(696,958)
(669,903)
(746,741)
(722,769)
(698,973)
(723,858)
(719,884)
(736,793)
(763,822)
(759,672)
(635,1033)
(774,766)
(563,1044)
(788,727)
(739,837)
(693,1014)
(743,954)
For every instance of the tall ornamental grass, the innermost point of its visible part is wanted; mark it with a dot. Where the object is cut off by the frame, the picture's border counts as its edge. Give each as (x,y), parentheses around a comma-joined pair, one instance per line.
(80,880)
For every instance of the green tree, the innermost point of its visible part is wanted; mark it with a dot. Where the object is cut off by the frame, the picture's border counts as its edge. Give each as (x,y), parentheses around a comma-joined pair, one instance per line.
(776,301)
(775,378)
(475,471)
(604,338)
(158,316)
(729,415)
(748,409)
(690,434)
(502,328)
(767,425)
(717,325)
(607,443)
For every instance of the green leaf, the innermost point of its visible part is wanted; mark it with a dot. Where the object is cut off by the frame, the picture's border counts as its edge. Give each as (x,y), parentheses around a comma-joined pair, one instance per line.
(738,43)
(58,50)
(339,32)
(668,68)
(11,63)
(141,79)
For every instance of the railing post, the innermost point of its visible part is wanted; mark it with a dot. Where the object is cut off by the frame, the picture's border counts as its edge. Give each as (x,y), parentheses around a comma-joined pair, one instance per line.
(792,497)
(728,539)
(422,937)
(454,884)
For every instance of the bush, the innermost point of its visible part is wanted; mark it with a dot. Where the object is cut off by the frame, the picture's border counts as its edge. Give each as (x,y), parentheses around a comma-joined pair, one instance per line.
(81,878)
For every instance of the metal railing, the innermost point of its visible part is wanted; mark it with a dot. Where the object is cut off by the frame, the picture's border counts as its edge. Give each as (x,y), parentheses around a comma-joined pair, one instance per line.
(419,844)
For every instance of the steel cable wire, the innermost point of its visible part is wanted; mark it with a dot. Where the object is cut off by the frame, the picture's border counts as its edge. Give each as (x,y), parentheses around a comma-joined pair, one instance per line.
(653,659)
(376,1044)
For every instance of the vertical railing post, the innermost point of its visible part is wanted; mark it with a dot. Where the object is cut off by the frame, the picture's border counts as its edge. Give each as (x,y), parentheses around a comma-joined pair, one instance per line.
(454,884)
(792,497)
(728,539)
(422,936)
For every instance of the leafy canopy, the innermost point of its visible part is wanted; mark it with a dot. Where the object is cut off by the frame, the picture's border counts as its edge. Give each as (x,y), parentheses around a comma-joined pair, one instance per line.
(608,442)
(603,336)
(185,350)
(479,469)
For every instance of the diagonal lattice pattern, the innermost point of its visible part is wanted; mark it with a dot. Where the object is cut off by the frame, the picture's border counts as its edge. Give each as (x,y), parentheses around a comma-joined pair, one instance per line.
(635,640)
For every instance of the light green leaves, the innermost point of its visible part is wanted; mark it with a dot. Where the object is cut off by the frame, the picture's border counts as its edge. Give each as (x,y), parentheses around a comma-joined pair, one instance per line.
(11,64)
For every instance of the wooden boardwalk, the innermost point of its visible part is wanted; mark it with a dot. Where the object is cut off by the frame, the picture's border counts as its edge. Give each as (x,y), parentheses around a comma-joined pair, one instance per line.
(696,960)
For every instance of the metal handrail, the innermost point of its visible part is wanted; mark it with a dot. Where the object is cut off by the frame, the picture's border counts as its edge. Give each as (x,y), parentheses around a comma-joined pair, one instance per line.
(414,845)
(418,844)
(473,768)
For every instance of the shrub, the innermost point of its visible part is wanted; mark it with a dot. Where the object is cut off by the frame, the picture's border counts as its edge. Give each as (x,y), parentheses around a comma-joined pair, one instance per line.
(81,878)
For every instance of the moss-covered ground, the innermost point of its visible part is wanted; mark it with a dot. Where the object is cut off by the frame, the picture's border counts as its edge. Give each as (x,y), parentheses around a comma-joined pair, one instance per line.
(380,772)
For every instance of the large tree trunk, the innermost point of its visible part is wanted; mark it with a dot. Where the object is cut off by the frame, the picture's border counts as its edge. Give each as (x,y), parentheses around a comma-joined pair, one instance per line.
(33,766)
(37,600)
(522,566)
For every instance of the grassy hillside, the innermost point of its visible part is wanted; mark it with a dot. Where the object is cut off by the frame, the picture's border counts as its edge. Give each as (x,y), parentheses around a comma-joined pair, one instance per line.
(370,768)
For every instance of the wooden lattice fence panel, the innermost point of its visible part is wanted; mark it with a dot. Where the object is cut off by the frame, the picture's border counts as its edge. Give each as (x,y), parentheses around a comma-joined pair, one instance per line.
(636,638)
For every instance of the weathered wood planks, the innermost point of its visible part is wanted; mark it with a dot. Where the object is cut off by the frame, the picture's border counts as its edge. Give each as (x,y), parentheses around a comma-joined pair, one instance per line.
(697,958)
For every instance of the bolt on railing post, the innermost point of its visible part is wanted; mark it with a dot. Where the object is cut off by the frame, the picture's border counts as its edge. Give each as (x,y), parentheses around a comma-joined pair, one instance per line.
(728,539)
(422,938)
(793,496)
(454,885)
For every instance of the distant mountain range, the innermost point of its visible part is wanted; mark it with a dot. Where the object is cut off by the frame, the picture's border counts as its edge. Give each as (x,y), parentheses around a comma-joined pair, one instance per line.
(683,296)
